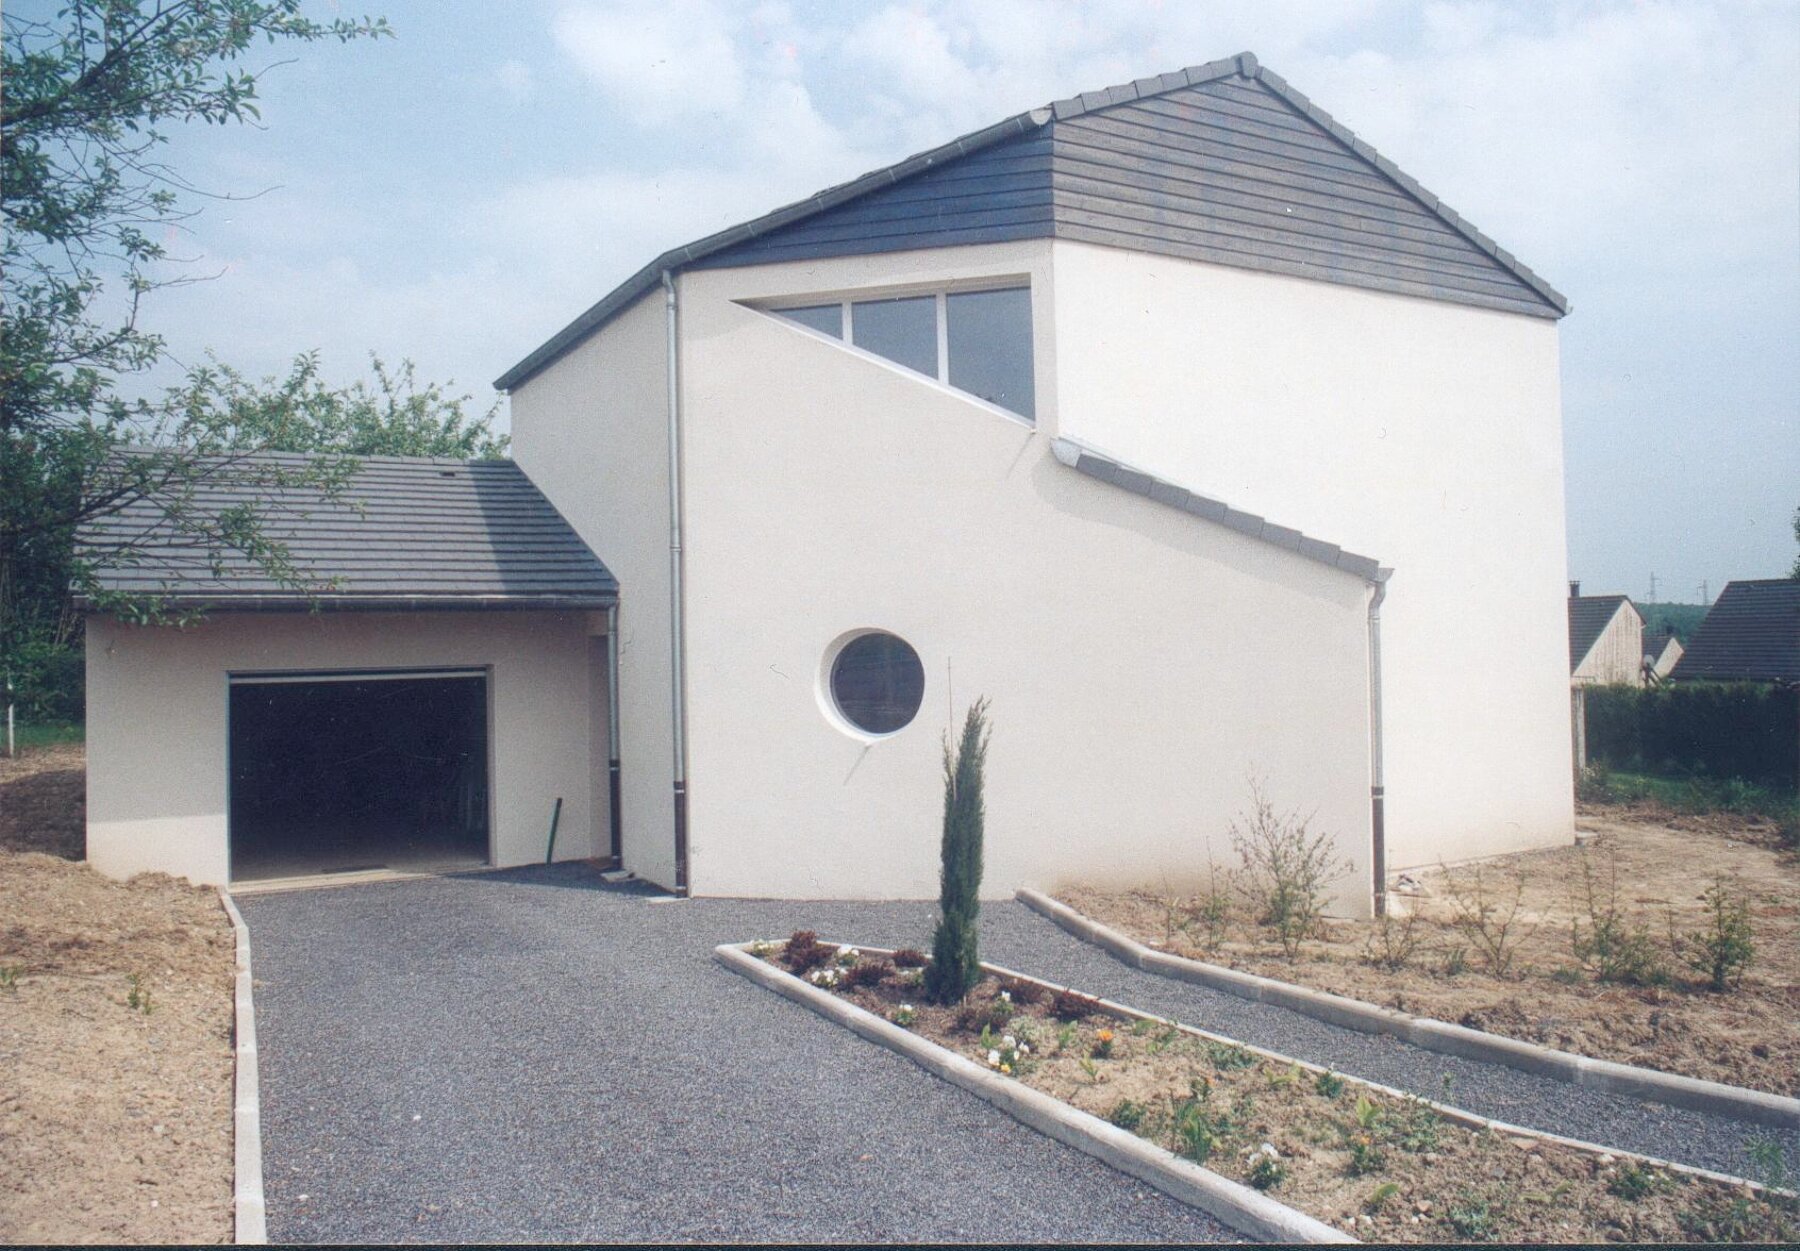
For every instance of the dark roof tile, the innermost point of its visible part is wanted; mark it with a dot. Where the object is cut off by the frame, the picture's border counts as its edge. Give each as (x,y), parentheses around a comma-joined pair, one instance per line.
(1751,633)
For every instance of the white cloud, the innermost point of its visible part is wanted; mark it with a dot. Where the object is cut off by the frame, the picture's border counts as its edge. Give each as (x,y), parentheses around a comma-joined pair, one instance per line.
(668,62)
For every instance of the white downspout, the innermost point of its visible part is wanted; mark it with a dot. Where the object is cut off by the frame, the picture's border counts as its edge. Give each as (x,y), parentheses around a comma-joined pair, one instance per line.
(1377,786)
(677,660)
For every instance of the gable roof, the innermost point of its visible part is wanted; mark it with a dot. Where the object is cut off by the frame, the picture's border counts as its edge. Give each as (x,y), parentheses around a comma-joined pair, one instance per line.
(1656,643)
(403,533)
(1589,615)
(1223,162)
(1085,460)
(1751,633)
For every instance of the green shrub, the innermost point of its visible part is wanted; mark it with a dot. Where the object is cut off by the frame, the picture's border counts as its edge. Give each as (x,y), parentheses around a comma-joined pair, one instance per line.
(1716,730)
(1724,947)
(1267,1172)
(1287,868)
(955,960)
(1127,1114)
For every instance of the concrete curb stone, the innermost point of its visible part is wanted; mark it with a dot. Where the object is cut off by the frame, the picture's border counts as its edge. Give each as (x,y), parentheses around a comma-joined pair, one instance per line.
(249,1211)
(1692,1093)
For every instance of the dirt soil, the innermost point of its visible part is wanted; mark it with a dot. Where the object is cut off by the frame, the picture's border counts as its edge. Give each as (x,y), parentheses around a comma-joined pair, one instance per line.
(1387,1169)
(115,1121)
(1652,867)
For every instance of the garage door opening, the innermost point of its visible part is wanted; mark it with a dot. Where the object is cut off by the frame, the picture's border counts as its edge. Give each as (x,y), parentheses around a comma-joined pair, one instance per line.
(341,773)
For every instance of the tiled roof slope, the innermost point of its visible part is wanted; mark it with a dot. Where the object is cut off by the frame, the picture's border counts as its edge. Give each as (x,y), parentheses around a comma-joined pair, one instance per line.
(1589,615)
(1095,465)
(1751,633)
(405,532)
(1223,162)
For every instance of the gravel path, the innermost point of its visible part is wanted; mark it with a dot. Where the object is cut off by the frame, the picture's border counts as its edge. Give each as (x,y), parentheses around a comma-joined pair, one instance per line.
(530,1055)
(525,1056)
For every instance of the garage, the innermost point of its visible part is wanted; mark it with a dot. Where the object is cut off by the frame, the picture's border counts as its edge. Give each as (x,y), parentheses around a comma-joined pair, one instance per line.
(356,772)
(424,686)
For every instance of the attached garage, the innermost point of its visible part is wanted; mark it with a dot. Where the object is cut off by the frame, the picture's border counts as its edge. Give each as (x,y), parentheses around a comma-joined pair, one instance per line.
(427,703)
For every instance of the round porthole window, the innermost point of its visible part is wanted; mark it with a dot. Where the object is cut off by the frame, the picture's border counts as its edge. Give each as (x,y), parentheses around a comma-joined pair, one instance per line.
(877,683)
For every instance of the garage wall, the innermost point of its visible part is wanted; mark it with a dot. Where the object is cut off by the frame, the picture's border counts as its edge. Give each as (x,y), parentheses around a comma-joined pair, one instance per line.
(156,726)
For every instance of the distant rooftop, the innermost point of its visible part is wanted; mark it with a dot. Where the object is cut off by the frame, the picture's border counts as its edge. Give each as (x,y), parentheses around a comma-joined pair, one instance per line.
(1751,633)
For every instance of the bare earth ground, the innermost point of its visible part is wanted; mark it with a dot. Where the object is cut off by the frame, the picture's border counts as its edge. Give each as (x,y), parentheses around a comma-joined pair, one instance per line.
(1661,864)
(115,1123)
(1388,1169)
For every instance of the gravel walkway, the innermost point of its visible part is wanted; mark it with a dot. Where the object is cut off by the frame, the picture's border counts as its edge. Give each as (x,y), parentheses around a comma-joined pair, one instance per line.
(531,1055)
(527,1056)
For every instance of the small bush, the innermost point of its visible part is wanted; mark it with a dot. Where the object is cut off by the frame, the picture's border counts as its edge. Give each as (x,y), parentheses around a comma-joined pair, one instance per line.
(1228,1056)
(1127,1115)
(1392,940)
(1212,912)
(1612,947)
(138,997)
(1417,1128)
(1472,1218)
(907,958)
(1267,1172)
(1197,1131)
(1070,1005)
(1287,868)
(993,1015)
(865,973)
(1724,947)
(1634,1182)
(1380,1195)
(1023,993)
(1329,1084)
(1487,914)
(1366,1155)
(804,952)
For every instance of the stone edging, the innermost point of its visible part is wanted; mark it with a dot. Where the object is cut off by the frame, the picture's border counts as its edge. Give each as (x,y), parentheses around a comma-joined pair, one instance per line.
(1244,1209)
(250,1215)
(1692,1093)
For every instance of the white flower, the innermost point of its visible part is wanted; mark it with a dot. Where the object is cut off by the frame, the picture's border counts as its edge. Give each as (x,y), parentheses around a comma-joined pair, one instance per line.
(1006,996)
(994,1059)
(1010,1041)
(1024,1049)
(906,1007)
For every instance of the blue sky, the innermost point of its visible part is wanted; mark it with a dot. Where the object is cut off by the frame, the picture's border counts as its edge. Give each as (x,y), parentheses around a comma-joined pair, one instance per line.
(456,194)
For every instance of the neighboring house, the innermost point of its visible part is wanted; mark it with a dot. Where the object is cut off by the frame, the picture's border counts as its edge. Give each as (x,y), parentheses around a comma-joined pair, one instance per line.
(1606,640)
(967,426)
(1750,634)
(1661,652)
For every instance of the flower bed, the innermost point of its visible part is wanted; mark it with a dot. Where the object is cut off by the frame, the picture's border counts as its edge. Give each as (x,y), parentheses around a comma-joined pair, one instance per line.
(1387,1167)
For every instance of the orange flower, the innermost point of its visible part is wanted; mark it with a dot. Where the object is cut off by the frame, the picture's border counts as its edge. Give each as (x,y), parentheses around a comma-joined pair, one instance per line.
(1105,1035)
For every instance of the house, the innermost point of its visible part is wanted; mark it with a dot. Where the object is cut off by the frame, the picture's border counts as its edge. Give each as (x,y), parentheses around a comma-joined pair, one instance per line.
(1661,652)
(1750,634)
(1172,418)
(1606,640)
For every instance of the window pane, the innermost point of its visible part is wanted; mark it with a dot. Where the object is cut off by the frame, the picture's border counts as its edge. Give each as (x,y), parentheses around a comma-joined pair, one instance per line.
(990,346)
(904,331)
(878,682)
(826,318)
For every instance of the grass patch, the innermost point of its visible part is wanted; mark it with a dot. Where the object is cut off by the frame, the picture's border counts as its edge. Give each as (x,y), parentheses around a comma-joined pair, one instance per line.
(28,737)
(1695,796)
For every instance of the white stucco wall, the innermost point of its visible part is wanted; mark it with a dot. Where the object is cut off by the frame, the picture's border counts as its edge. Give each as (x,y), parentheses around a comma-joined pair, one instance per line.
(592,432)
(1139,661)
(1425,434)
(157,701)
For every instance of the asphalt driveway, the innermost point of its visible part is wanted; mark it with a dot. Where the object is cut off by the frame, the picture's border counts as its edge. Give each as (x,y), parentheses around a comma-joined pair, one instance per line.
(531,1055)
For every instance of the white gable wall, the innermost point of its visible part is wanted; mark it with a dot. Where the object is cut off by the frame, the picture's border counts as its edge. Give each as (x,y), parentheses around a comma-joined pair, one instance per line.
(1617,656)
(1423,433)
(591,430)
(1140,661)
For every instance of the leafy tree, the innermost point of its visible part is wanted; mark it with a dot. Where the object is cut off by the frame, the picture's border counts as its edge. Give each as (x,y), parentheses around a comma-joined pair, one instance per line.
(955,960)
(90,93)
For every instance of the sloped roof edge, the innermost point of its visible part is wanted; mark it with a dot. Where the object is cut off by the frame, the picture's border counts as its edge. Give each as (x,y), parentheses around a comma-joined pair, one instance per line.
(1244,64)
(1085,460)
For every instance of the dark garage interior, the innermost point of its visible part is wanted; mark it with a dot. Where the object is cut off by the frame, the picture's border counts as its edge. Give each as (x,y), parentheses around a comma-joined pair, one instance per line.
(358,773)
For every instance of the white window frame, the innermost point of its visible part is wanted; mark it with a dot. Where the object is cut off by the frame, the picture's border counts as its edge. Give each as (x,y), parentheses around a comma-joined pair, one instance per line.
(941,293)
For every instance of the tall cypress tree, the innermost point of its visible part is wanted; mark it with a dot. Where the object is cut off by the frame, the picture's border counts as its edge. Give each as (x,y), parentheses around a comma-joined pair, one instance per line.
(955,963)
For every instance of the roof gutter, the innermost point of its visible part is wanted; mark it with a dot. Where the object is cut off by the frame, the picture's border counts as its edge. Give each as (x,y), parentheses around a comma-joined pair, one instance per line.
(677,634)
